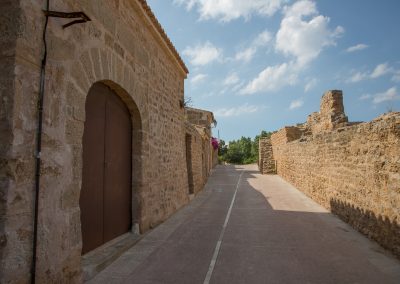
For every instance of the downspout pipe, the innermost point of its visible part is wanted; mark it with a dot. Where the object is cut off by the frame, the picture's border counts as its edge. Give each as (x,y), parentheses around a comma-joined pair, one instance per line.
(38,151)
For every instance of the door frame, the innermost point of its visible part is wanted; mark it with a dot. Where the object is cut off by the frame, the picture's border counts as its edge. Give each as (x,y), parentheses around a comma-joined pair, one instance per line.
(136,153)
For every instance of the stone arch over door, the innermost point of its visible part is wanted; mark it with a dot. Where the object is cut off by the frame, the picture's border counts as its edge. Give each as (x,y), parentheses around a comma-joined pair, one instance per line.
(111,147)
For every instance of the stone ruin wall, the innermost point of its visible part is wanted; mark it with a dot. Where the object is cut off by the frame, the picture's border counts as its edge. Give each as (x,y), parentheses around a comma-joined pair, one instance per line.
(331,114)
(351,169)
(266,163)
(285,135)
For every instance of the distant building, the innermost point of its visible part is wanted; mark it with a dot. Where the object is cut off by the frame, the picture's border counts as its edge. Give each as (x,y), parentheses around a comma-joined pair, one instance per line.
(201,156)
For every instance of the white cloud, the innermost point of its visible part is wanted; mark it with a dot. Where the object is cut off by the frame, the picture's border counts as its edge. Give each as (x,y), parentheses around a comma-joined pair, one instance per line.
(365,97)
(357,47)
(396,76)
(198,78)
(310,85)
(237,111)
(389,95)
(246,55)
(296,104)
(303,34)
(237,87)
(305,38)
(204,54)
(227,10)
(272,78)
(232,79)
(261,40)
(357,77)
(380,70)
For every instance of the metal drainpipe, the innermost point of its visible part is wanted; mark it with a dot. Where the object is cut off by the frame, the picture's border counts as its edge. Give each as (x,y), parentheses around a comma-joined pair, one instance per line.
(39,148)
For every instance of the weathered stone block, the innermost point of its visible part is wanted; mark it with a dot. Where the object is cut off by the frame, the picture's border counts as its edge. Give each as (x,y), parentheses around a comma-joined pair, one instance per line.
(266,162)
(95,55)
(59,48)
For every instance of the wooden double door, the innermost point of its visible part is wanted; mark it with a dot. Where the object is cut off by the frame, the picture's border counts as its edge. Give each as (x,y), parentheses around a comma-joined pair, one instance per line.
(106,195)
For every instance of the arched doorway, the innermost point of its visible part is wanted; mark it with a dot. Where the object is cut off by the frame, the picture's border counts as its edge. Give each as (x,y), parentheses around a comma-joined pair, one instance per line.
(106,195)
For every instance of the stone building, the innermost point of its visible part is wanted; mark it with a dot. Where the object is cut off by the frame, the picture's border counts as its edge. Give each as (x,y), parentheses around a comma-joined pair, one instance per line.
(112,153)
(201,156)
(350,168)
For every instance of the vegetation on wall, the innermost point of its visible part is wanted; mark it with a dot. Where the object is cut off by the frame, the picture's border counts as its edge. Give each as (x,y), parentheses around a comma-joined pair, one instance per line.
(242,151)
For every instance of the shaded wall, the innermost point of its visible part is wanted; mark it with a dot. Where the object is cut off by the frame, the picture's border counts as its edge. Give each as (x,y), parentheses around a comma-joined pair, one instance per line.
(196,154)
(122,48)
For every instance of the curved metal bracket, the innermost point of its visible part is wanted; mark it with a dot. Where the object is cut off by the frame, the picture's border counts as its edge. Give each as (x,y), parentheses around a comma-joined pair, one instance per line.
(80,16)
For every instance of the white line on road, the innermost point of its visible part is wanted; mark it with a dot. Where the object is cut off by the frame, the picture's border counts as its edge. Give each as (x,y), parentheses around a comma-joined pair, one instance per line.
(221,236)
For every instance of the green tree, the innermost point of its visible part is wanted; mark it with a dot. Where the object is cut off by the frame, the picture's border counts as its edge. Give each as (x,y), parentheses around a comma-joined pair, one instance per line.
(242,151)
(256,143)
(222,150)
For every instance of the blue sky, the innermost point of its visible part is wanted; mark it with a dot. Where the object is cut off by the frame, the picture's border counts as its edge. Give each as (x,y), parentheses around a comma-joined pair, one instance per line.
(263,64)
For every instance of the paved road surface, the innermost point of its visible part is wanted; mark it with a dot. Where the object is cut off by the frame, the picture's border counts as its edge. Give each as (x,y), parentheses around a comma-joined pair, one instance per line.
(249,228)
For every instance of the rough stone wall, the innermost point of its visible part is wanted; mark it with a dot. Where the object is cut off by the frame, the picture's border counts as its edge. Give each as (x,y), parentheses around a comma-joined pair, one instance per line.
(266,162)
(354,171)
(119,47)
(206,151)
(200,117)
(331,115)
(196,158)
(10,30)
(285,135)
(203,120)
(16,150)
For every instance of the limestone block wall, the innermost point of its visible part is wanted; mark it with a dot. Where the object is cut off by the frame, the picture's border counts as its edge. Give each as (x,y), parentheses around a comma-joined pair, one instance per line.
(196,163)
(203,120)
(354,171)
(123,48)
(266,162)
(200,117)
(206,156)
(285,135)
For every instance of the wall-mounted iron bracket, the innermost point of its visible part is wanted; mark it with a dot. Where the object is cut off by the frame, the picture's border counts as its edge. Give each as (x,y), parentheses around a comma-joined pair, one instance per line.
(80,16)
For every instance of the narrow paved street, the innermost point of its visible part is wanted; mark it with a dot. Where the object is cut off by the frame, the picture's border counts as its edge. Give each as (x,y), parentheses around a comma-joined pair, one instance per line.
(249,228)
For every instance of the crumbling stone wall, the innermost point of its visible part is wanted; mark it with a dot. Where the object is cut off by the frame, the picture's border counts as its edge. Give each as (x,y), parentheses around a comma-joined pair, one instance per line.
(353,170)
(331,115)
(124,48)
(266,162)
(285,135)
